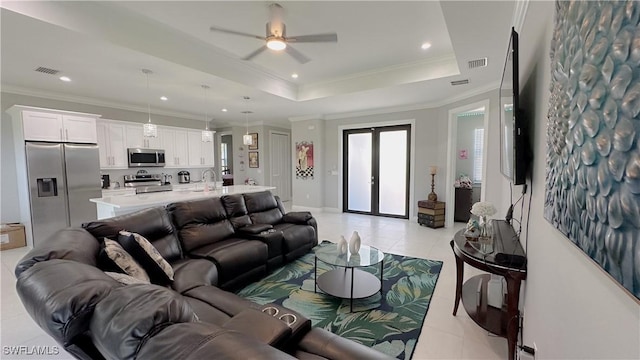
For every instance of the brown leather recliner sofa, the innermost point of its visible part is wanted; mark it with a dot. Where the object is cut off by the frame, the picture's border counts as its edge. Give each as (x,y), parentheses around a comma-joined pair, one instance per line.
(213,245)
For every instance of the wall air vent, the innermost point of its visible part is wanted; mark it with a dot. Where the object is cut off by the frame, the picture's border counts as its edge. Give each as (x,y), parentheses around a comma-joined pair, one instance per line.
(477,63)
(460,82)
(45,70)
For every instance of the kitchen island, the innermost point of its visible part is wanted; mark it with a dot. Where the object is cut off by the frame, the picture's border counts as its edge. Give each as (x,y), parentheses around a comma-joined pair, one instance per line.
(119,205)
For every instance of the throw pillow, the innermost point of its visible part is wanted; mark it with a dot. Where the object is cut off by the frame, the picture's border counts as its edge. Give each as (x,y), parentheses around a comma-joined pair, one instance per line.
(147,255)
(125,279)
(124,261)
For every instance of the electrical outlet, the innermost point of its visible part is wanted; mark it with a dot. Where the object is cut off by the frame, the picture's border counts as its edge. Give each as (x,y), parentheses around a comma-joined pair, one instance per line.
(307,196)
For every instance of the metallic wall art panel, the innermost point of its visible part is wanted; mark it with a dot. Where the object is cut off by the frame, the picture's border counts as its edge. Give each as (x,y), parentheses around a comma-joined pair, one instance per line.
(593,134)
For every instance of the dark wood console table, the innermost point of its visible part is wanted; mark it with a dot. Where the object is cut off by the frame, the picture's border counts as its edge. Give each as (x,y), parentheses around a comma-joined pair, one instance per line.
(503,322)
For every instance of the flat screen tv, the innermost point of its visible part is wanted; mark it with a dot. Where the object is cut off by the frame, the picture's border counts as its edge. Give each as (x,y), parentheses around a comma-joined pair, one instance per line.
(514,144)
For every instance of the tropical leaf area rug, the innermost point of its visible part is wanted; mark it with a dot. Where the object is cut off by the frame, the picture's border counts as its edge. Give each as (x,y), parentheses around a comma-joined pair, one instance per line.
(390,323)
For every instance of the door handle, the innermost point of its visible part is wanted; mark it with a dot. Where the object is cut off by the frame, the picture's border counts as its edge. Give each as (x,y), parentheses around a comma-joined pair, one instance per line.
(61,137)
(66,131)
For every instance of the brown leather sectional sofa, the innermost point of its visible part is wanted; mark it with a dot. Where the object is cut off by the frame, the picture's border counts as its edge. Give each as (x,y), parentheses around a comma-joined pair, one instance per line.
(213,245)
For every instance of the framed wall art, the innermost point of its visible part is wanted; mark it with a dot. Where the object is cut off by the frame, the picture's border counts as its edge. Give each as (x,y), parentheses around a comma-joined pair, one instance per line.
(304,160)
(254,161)
(254,141)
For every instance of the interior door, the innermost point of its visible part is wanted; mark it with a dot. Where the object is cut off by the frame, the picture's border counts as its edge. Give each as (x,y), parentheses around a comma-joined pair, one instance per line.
(281,165)
(376,168)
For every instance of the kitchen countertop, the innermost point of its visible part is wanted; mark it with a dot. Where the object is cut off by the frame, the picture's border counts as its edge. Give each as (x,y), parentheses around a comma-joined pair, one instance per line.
(138,201)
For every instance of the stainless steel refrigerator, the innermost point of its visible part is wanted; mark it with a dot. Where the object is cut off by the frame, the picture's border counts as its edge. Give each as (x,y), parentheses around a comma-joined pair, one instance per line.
(62,179)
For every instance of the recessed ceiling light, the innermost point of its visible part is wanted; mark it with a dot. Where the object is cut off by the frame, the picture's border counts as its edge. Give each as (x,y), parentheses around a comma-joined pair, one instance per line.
(224,110)
(294,75)
(65,78)
(164,98)
(425,46)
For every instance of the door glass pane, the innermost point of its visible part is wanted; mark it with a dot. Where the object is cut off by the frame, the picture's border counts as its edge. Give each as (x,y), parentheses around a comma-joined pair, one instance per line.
(359,182)
(393,172)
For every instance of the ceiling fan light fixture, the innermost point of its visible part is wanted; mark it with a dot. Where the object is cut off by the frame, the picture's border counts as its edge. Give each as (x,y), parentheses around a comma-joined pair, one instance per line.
(276,44)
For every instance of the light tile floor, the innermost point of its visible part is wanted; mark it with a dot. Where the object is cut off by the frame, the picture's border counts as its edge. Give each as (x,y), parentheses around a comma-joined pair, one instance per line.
(443,336)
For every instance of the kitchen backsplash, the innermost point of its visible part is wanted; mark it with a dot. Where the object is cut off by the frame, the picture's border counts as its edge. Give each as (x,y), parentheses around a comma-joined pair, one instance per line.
(118,175)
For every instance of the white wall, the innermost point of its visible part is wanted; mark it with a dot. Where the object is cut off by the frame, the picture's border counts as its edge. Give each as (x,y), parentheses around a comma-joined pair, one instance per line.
(309,193)
(572,308)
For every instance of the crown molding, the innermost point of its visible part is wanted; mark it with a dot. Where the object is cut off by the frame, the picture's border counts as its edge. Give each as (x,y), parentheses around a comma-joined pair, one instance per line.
(306,117)
(460,97)
(519,14)
(92,101)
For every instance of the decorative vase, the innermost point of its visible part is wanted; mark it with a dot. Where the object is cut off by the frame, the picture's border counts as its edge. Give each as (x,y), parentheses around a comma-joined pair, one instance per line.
(354,243)
(485,228)
(342,245)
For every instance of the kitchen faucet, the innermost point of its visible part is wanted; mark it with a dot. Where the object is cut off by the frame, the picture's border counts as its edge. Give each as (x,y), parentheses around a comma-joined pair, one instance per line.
(205,180)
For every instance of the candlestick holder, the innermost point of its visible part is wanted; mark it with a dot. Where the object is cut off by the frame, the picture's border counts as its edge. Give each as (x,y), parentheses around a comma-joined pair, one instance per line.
(432,196)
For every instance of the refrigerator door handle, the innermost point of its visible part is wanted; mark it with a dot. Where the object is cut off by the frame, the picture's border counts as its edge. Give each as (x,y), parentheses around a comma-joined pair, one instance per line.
(61,138)
(66,131)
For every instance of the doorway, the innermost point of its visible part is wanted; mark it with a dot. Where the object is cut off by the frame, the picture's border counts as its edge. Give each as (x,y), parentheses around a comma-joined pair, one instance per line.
(376,168)
(466,158)
(280,158)
(226,158)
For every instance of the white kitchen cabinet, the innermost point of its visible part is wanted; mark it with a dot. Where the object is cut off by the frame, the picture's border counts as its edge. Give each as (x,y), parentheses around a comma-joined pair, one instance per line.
(51,126)
(111,143)
(200,153)
(176,149)
(135,138)
(79,129)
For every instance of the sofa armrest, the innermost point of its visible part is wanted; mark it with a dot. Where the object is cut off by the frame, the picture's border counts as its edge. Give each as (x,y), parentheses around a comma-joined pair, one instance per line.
(297,217)
(260,326)
(326,345)
(254,229)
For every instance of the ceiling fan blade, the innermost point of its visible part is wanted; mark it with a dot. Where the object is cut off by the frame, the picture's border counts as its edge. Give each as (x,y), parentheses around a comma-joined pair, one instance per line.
(213,28)
(255,53)
(314,38)
(300,57)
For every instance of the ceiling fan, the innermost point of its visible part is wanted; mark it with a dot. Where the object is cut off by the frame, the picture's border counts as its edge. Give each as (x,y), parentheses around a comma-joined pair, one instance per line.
(276,36)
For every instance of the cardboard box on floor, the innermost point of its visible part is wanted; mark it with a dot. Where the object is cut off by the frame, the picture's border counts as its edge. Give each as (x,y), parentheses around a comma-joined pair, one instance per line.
(12,236)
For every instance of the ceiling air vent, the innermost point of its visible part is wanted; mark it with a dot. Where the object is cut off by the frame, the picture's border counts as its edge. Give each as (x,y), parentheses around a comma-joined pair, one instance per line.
(460,82)
(477,63)
(45,70)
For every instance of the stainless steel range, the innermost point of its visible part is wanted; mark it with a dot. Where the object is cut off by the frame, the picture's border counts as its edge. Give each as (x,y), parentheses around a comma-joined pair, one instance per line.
(146,183)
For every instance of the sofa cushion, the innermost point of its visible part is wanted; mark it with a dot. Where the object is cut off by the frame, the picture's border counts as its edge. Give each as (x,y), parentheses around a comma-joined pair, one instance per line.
(272,216)
(129,315)
(67,244)
(331,346)
(196,341)
(236,210)
(234,257)
(260,201)
(123,260)
(227,302)
(159,270)
(200,222)
(153,223)
(191,273)
(60,295)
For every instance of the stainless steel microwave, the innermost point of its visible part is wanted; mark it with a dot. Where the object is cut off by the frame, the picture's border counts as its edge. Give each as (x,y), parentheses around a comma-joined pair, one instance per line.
(145,157)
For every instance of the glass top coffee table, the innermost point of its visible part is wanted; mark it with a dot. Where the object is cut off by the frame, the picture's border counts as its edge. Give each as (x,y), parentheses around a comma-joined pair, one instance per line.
(346,281)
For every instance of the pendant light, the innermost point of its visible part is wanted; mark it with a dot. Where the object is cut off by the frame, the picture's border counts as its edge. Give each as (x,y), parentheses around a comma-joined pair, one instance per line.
(207,135)
(246,138)
(149,130)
